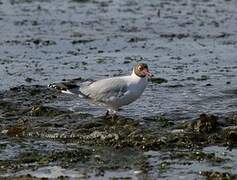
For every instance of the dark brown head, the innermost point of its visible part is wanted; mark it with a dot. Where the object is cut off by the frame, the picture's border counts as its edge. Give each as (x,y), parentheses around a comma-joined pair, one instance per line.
(141,70)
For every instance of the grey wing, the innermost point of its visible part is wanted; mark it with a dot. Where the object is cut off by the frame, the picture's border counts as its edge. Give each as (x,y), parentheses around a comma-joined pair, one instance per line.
(106,90)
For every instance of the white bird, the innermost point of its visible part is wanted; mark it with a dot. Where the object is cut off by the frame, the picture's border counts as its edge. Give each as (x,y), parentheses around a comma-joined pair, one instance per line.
(111,93)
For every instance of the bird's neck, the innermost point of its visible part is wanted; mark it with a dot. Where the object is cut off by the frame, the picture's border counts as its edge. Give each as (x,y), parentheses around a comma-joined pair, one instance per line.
(136,77)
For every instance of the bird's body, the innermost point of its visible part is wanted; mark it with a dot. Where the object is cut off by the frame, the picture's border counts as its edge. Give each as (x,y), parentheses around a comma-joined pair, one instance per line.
(114,92)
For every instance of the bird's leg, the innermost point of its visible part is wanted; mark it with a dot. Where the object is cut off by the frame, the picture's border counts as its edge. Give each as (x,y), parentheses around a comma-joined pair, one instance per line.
(114,115)
(111,114)
(107,113)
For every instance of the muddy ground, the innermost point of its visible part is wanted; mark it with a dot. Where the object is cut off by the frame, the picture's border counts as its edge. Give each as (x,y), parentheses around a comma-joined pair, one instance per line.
(182,128)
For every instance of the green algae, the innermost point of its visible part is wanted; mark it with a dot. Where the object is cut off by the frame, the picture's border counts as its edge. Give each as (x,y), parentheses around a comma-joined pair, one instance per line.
(205,123)
(39,110)
(163,121)
(213,175)
(199,156)
(66,158)
(164,167)
(120,178)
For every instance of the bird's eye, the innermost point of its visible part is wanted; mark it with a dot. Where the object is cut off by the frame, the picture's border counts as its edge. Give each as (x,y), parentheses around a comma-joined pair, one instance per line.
(139,68)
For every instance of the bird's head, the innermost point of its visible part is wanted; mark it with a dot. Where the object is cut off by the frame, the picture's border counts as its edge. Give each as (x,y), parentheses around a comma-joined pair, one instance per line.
(142,70)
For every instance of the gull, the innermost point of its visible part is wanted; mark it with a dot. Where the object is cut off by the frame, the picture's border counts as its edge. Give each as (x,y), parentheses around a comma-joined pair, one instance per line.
(111,93)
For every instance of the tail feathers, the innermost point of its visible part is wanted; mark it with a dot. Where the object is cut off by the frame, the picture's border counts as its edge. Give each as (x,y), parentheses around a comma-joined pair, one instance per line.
(68,88)
(65,87)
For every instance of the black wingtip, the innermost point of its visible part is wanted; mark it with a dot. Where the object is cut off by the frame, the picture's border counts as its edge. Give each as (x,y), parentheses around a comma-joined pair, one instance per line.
(63,86)
(68,88)
(51,86)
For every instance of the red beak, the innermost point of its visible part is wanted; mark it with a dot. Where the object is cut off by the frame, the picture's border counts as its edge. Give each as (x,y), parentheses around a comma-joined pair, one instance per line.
(148,73)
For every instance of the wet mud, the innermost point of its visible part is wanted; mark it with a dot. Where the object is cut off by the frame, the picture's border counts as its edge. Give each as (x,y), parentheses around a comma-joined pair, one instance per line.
(37,138)
(183,127)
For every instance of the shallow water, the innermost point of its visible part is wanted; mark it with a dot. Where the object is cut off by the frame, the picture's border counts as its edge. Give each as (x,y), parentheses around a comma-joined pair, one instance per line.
(192,44)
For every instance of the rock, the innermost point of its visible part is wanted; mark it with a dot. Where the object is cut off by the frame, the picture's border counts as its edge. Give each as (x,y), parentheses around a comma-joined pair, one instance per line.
(214,175)
(203,78)
(158,80)
(205,123)
(15,131)
(40,110)
(230,135)
(29,80)
(174,35)
(82,41)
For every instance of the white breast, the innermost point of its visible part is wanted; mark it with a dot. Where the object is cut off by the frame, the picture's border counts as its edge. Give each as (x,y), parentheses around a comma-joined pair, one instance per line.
(136,87)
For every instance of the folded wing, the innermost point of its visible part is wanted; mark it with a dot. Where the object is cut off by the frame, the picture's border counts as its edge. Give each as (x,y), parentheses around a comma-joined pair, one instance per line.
(106,90)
